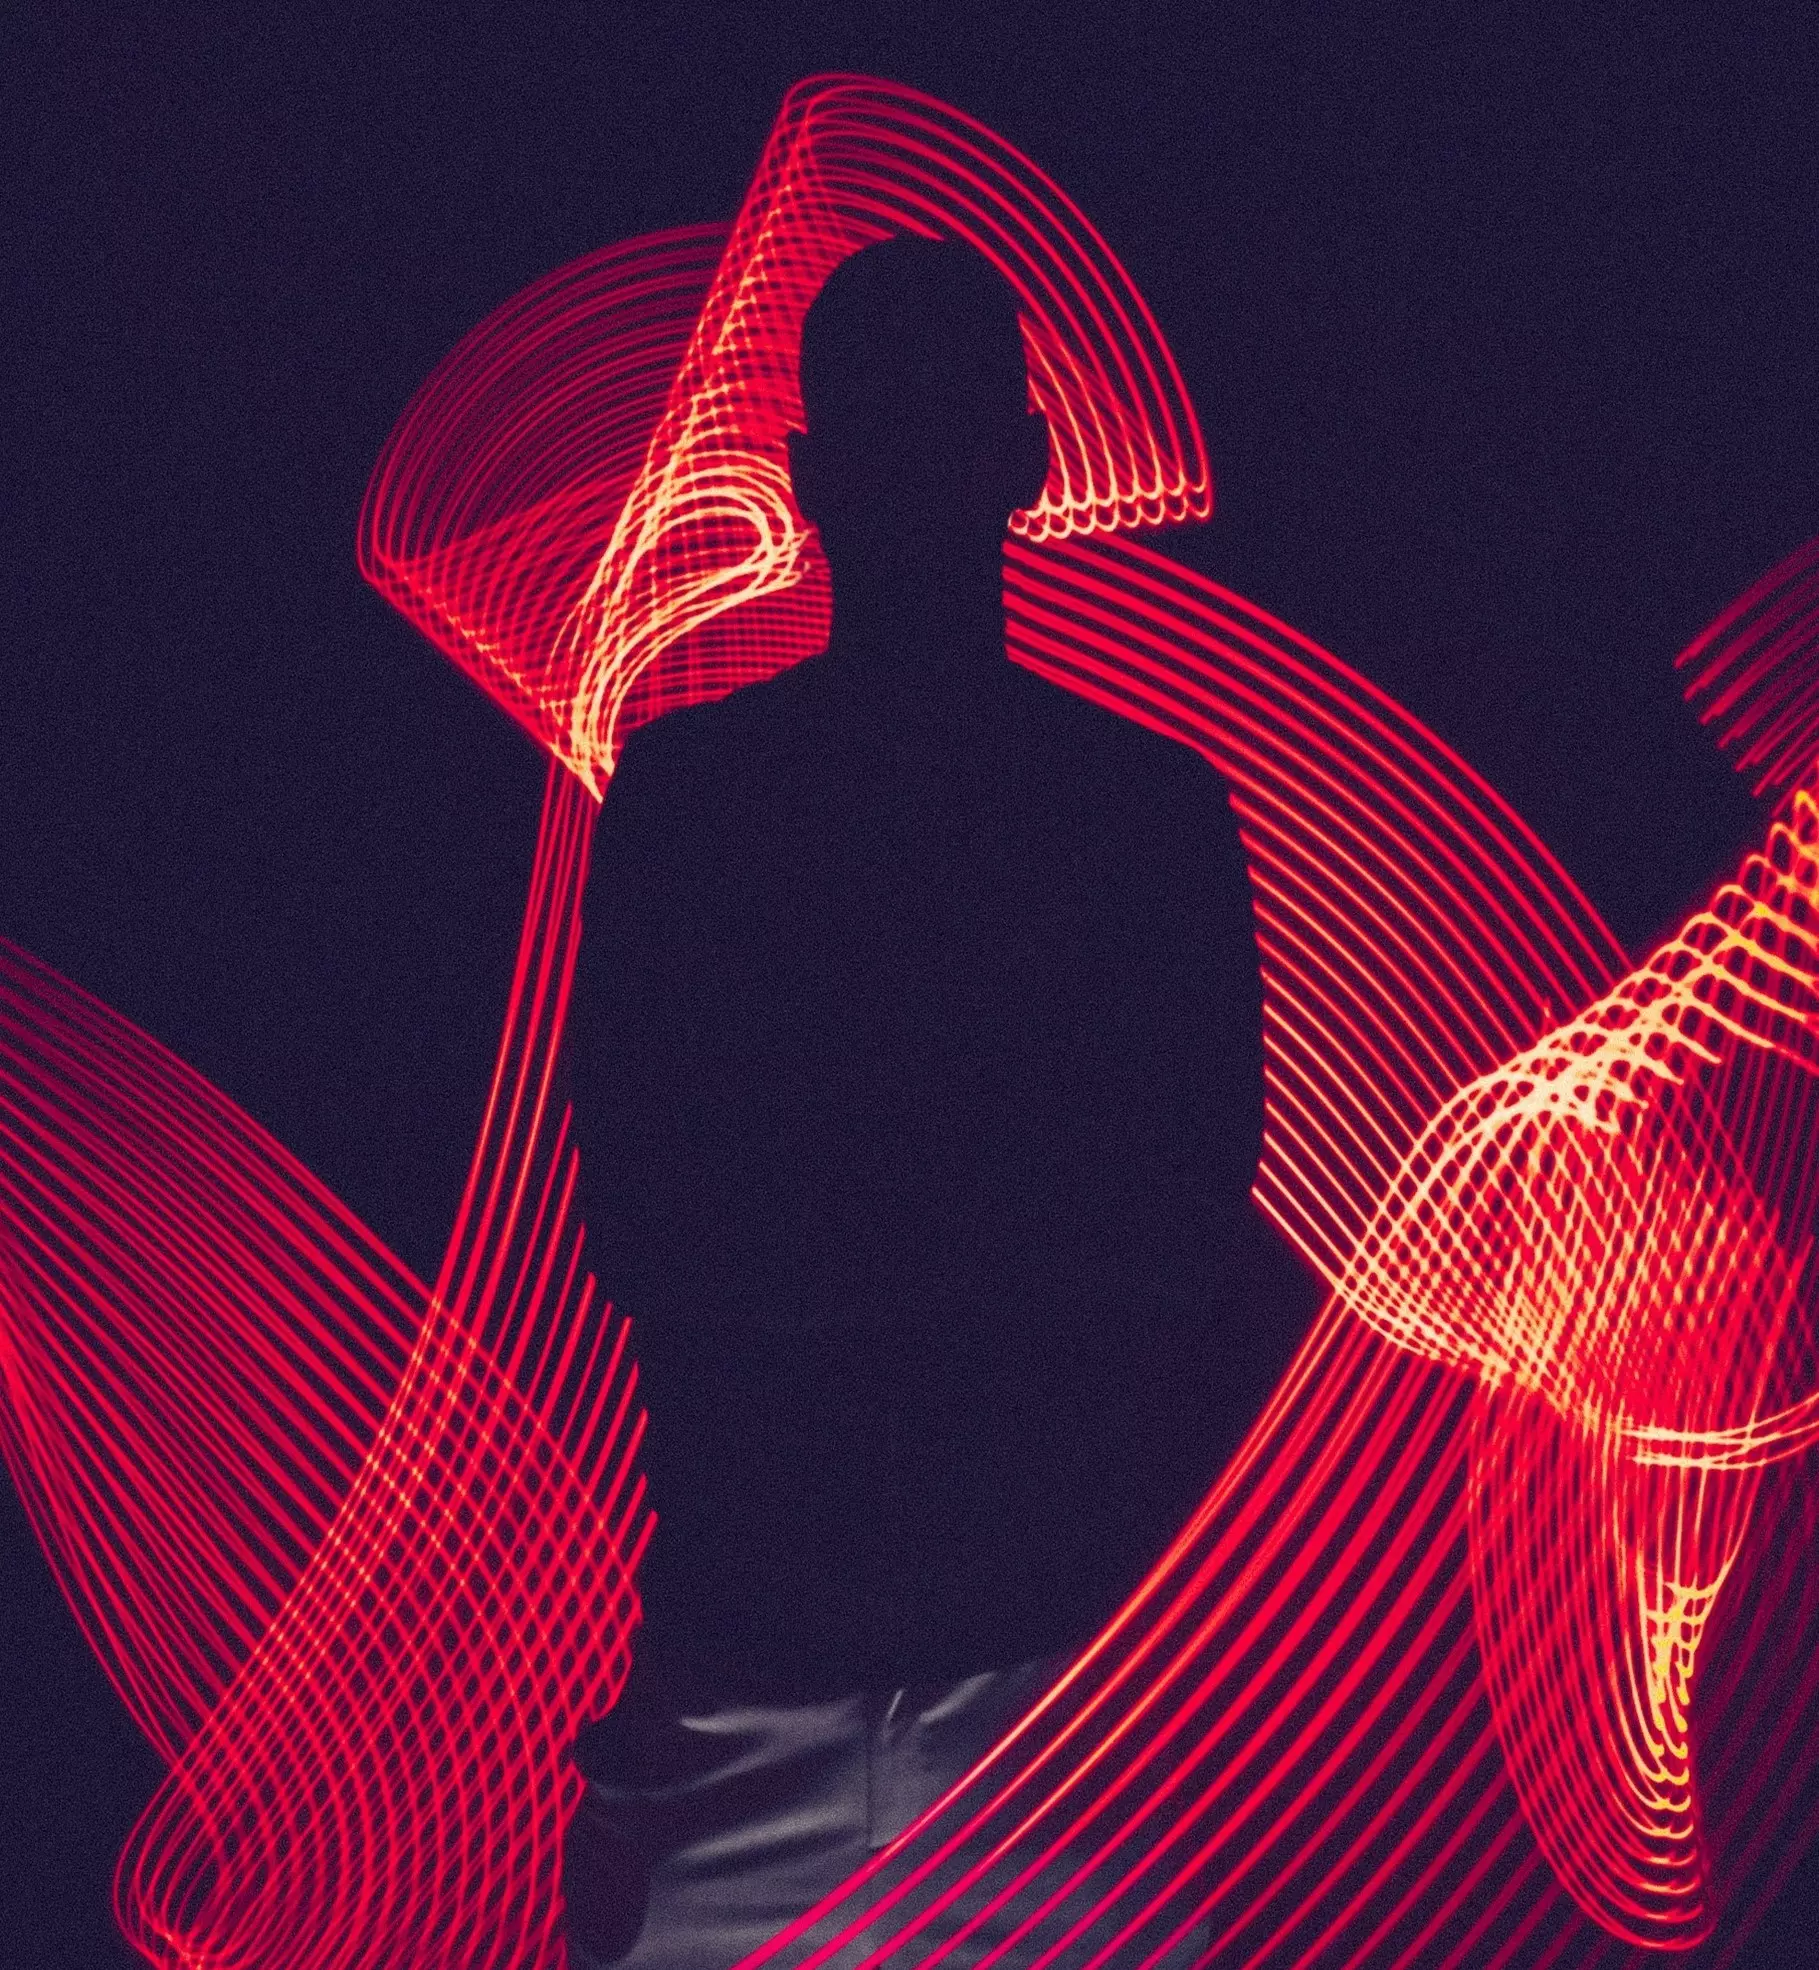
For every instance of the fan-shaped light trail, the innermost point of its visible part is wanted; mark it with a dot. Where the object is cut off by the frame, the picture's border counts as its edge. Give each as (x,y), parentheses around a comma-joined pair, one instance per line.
(355,1554)
(1448,1667)
(556,540)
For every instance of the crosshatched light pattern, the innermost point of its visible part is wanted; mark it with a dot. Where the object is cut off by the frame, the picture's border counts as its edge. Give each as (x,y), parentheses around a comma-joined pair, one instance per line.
(1444,1669)
(530,519)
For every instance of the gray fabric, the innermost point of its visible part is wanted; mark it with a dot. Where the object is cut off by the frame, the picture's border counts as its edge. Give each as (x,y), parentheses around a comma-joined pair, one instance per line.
(741,1818)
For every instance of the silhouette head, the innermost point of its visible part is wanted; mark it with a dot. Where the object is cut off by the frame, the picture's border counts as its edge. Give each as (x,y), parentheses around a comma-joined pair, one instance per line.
(920,441)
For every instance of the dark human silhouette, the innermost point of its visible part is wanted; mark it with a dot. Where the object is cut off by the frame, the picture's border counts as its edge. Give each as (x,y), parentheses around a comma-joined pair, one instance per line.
(918,1073)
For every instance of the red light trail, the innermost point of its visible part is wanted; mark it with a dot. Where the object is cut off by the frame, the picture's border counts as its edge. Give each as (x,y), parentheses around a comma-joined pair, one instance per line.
(1448,1668)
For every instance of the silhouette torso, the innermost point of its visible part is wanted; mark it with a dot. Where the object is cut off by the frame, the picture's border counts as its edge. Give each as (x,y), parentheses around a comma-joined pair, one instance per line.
(916,1053)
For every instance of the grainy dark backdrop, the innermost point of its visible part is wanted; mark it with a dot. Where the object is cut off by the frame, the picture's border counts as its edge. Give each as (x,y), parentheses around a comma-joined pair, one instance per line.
(1503,323)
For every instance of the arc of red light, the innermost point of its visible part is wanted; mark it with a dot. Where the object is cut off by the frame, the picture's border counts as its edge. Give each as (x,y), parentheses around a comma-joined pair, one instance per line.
(581,1429)
(708,512)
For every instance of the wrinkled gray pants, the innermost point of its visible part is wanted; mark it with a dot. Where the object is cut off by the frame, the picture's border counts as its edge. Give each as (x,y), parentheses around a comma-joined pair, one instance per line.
(720,1829)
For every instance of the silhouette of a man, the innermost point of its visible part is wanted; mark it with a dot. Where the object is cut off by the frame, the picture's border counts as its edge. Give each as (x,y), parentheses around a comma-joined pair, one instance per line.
(917,1057)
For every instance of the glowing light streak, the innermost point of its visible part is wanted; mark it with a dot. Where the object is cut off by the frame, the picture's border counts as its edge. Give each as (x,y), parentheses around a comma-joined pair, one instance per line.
(489,504)
(1432,1646)
(357,1555)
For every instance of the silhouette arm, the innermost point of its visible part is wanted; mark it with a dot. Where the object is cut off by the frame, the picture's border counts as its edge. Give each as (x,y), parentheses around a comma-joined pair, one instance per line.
(615,1028)
(1201,997)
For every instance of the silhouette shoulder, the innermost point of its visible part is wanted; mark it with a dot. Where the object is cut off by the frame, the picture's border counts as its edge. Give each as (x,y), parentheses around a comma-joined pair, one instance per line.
(1128,747)
(1136,778)
(808,747)
(703,751)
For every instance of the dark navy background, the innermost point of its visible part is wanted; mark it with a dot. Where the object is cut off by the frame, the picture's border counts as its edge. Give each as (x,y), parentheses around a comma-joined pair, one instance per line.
(1503,326)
